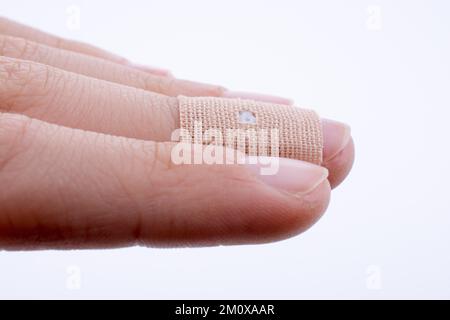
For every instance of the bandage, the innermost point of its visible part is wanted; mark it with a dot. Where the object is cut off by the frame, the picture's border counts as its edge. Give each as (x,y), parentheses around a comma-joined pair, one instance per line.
(260,128)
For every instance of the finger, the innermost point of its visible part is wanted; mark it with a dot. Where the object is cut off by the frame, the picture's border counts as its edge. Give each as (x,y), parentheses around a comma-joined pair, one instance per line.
(19,48)
(339,151)
(14,29)
(21,42)
(71,100)
(69,188)
(341,164)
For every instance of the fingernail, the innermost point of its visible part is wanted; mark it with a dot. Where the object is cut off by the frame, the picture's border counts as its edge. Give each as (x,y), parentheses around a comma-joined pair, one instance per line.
(336,136)
(152,70)
(292,176)
(257,97)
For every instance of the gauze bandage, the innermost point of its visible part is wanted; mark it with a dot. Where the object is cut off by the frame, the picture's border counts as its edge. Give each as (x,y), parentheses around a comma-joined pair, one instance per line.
(257,128)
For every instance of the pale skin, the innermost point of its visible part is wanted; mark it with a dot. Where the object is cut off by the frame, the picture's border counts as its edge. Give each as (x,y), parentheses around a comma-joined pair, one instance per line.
(85,158)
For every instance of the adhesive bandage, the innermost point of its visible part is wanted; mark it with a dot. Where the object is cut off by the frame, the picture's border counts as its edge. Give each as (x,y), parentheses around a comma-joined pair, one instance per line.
(257,128)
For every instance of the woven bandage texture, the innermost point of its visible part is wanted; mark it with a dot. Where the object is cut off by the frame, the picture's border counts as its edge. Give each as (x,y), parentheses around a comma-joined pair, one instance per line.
(264,128)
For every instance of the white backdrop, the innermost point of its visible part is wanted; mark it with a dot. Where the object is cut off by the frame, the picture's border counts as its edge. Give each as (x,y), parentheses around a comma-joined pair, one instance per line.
(381,66)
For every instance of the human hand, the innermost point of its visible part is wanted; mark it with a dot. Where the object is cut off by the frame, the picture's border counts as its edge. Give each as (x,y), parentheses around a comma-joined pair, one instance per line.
(85,158)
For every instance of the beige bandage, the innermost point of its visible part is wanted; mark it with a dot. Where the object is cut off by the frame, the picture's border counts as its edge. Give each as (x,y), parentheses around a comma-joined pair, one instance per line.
(293,132)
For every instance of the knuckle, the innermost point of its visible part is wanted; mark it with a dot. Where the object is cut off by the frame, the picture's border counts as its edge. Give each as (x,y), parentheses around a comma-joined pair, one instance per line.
(20,81)
(17,73)
(18,47)
(13,130)
(12,126)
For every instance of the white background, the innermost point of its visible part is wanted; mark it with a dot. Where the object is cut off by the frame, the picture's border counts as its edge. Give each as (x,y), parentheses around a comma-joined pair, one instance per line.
(381,66)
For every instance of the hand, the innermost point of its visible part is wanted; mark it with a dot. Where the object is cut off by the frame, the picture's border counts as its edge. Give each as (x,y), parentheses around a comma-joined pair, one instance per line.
(85,158)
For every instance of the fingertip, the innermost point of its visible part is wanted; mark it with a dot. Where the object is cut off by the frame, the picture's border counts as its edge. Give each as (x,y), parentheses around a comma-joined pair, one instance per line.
(338,151)
(340,165)
(292,216)
(336,136)
(241,209)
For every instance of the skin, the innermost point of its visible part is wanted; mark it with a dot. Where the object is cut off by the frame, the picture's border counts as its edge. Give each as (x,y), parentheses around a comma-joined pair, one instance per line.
(85,158)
